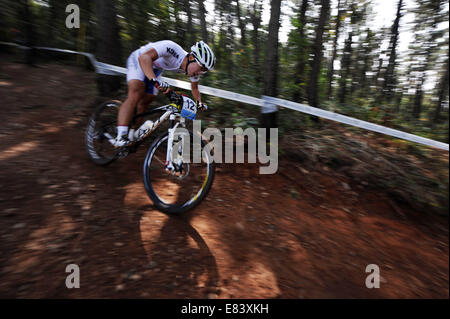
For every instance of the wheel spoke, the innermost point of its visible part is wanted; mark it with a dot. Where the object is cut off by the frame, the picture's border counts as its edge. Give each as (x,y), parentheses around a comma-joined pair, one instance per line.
(157,158)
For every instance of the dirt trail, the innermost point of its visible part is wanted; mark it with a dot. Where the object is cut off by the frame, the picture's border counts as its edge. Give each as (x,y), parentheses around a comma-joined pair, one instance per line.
(295,234)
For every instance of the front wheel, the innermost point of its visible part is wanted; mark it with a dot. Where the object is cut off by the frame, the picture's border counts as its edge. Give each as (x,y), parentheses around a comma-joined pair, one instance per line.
(180,189)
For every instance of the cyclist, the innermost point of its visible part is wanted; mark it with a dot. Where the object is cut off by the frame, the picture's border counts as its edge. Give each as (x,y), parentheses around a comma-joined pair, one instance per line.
(144,68)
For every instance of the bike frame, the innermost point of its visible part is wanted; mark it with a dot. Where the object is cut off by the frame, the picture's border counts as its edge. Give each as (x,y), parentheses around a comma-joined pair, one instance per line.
(170,112)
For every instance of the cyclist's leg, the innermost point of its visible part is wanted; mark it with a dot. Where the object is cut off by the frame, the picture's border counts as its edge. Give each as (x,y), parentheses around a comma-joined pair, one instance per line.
(142,106)
(136,90)
(151,93)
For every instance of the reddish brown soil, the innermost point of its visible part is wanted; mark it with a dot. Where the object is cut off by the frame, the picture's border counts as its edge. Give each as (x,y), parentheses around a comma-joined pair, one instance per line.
(295,234)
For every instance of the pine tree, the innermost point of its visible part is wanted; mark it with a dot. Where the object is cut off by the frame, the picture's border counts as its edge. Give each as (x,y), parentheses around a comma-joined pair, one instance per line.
(255,19)
(389,76)
(428,15)
(242,23)
(442,91)
(302,49)
(337,29)
(202,18)
(317,52)
(108,45)
(271,60)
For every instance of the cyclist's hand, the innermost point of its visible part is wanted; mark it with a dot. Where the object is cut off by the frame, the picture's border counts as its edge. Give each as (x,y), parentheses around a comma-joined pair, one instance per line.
(202,106)
(161,85)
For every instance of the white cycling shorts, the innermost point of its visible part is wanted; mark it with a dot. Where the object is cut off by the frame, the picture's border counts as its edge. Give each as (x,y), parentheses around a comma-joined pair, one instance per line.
(134,72)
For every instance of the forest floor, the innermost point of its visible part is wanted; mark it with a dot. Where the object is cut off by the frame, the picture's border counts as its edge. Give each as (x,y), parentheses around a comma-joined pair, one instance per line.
(308,231)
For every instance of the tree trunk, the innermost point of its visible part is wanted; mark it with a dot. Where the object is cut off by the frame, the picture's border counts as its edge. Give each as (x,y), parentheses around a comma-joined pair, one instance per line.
(141,19)
(398,101)
(443,90)
(433,9)
(180,30)
(255,17)
(219,44)
(52,22)
(271,61)
(108,45)
(190,25)
(333,56)
(367,62)
(202,17)
(241,23)
(230,43)
(345,68)
(302,54)
(418,99)
(271,58)
(376,81)
(224,47)
(30,37)
(3,23)
(314,75)
(389,79)
(419,87)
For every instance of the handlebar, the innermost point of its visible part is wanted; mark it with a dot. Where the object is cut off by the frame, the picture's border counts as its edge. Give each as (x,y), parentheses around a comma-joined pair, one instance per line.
(171,95)
(174,97)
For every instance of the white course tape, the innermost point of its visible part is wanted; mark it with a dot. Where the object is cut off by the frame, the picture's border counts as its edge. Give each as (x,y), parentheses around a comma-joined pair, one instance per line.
(216,92)
(354,122)
(109,69)
(268,107)
(15,45)
(90,56)
(267,103)
(101,68)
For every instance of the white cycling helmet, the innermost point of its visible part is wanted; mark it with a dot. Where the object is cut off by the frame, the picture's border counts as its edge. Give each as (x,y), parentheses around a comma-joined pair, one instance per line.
(203,55)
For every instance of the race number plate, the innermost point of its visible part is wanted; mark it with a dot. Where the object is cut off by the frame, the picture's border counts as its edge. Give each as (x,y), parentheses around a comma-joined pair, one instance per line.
(189,109)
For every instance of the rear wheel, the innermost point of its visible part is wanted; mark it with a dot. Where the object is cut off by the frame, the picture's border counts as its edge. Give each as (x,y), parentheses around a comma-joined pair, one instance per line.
(182,189)
(102,124)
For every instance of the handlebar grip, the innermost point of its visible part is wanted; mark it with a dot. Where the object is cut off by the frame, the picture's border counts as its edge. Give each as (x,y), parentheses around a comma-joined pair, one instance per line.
(171,95)
(155,83)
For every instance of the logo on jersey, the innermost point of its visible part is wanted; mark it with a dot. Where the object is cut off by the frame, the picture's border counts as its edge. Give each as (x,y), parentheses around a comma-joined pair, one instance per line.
(172,51)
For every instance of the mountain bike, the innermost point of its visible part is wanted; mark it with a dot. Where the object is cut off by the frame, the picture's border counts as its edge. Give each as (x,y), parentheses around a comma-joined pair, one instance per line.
(176,178)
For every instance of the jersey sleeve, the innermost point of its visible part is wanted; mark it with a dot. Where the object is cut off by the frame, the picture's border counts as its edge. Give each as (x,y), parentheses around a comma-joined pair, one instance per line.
(160,48)
(166,48)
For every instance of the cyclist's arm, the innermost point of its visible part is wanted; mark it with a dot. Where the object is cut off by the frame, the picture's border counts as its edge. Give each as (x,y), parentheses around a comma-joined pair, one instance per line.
(146,62)
(195,91)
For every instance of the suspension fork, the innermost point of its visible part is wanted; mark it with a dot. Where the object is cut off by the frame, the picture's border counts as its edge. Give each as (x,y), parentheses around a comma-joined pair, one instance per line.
(172,129)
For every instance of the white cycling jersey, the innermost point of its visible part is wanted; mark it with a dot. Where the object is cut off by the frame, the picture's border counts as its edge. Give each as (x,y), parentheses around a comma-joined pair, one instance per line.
(170,56)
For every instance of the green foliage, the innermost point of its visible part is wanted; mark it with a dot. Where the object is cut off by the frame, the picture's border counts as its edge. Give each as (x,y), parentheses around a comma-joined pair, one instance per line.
(239,68)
